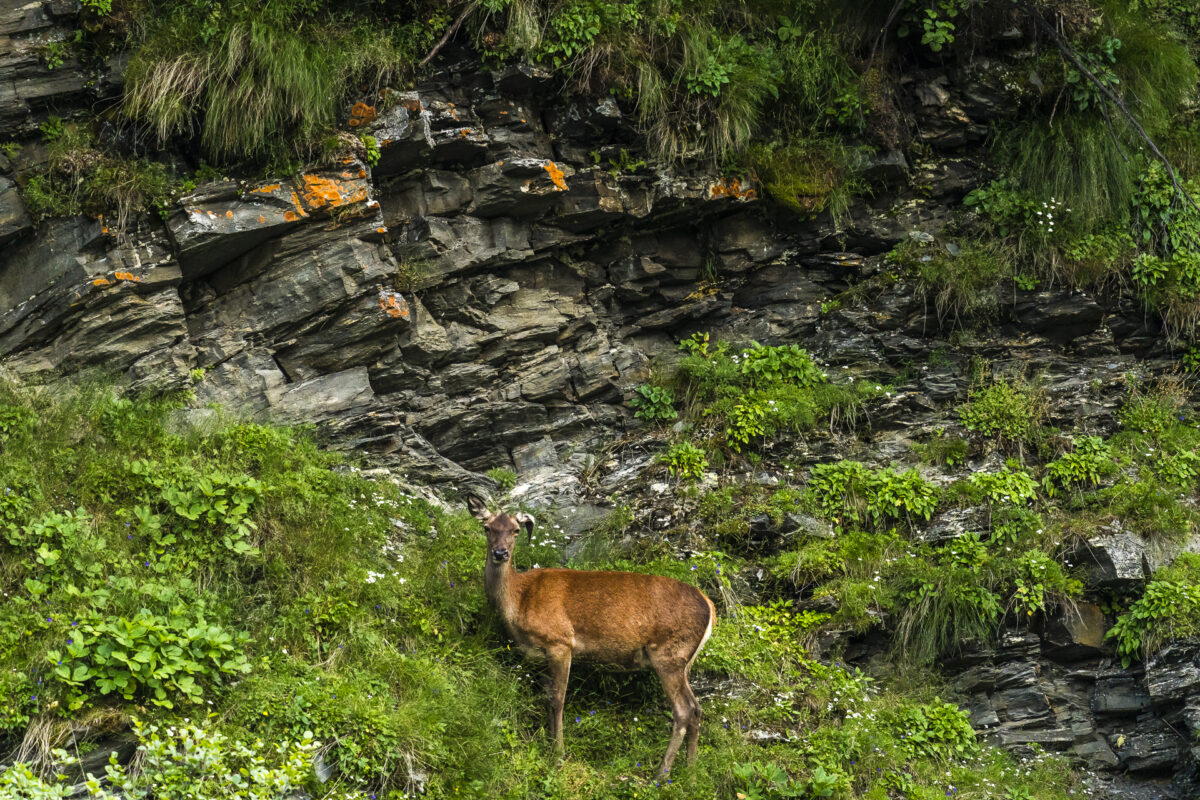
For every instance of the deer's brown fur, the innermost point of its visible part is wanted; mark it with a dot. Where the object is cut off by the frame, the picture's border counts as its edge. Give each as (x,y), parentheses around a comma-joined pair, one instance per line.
(619,619)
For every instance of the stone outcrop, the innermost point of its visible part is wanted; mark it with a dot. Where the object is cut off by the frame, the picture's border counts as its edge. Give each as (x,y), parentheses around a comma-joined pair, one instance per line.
(487,294)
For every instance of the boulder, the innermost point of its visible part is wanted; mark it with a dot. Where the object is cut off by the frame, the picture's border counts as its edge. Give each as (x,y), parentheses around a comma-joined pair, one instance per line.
(1075,632)
(1114,560)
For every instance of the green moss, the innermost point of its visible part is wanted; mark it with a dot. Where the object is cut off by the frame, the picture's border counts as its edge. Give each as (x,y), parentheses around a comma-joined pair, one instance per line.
(807,176)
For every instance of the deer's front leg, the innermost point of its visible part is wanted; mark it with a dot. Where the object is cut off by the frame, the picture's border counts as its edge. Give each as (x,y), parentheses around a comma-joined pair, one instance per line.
(560,670)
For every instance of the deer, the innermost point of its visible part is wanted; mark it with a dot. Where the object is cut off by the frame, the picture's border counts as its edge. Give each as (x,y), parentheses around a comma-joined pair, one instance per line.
(623,620)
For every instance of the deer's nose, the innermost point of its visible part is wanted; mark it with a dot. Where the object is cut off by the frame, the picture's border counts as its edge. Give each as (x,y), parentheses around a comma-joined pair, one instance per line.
(500,554)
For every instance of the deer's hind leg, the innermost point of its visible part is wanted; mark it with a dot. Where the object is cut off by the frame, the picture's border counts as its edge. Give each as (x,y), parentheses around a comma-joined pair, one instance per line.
(693,722)
(672,672)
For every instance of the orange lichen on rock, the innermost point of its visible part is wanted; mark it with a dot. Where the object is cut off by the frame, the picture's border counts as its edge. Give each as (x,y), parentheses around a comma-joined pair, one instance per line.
(361,114)
(262,220)
(381,230)
(412,105)
(321,192)
(732,187)
(270,187)
(101,282)
(229,214)
(556,175)
(127,276)
(394,305)
(290,216)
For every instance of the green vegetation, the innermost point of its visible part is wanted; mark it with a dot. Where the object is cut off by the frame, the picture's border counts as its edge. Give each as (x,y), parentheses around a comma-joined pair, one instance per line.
(685,460)
(654,403)
(734,399)
(704,77)
(963,284)
(297,65)
(247,581)
(81,178)
(504,478)
(1008,413)
(1168,609)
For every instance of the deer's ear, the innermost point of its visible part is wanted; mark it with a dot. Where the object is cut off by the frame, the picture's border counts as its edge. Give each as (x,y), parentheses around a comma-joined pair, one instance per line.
(478,508)
(527,522)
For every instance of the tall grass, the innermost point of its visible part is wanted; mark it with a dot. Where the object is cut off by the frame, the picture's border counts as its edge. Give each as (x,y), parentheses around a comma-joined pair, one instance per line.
(264,83)
(706,78)
(1090,159)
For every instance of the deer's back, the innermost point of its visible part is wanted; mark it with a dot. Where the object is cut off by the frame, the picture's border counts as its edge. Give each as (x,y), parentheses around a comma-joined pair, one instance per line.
(614,618)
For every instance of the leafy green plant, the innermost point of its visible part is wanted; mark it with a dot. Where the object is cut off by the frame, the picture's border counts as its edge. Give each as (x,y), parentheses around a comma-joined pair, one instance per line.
(784,364)
(1167,609)
(759,780)
(1008,412)
(52,129)
(506,479)
(371,146)
(1008,486)
(182,759)
(654,403)
(849,494)
(160,658)
(1041,582)
(684,460)
(1086,466)
(935,730)
(207,514)
(943,450)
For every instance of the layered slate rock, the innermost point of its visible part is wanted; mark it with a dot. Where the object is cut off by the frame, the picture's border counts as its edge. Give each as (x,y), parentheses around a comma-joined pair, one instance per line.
(73,299)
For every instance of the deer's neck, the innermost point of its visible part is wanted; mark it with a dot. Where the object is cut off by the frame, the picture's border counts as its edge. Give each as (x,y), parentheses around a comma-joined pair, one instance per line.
(500,581)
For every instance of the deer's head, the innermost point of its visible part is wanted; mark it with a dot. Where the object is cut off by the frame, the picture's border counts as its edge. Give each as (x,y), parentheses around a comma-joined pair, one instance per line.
(501,528)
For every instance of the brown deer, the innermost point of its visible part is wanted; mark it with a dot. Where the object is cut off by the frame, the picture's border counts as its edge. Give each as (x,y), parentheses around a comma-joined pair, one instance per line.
(618,619)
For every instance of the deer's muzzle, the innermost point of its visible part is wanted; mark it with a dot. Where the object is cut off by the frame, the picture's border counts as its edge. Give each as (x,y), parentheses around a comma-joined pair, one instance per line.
(500,555)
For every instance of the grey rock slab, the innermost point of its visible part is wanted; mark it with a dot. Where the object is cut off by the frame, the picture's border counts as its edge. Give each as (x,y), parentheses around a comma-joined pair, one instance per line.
(1060,316)
(1153,747)
(1119,695)
(517,187)
(14,220)
(403,136)
(1173,674)
(1114,560)
(211,228)
(321,397)
(337,283)
(72,299)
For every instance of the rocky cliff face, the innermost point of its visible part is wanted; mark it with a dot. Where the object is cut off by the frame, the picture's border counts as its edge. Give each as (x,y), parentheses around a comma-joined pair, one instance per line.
(488,293)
